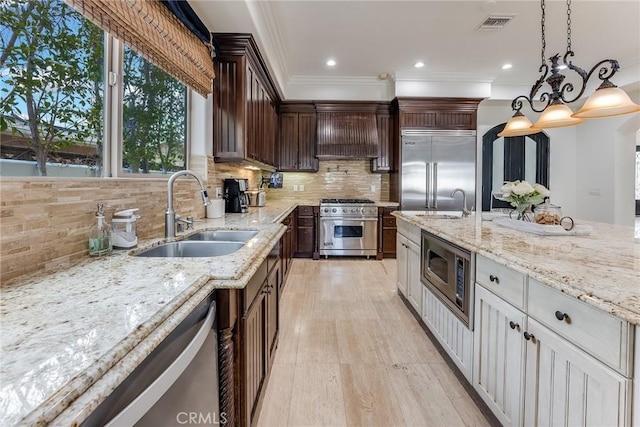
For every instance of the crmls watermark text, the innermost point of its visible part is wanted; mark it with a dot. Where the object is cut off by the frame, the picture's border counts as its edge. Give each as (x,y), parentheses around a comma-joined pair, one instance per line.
(201,418)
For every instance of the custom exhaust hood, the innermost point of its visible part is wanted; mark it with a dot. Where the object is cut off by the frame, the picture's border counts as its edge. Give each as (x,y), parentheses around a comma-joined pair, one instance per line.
(347,131)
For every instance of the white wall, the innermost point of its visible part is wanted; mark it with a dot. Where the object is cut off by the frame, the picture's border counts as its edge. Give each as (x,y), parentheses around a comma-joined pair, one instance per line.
(596,157)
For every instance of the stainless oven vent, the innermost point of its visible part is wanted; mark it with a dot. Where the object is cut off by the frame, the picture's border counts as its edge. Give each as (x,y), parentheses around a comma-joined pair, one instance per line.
(495,23)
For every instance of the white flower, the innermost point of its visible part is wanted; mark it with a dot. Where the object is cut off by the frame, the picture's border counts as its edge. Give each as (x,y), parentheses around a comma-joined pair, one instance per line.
(523,189)
(506,189)
(541,189)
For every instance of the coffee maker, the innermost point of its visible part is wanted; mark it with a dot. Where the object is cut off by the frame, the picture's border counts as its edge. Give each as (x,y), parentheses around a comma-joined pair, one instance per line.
(235,198)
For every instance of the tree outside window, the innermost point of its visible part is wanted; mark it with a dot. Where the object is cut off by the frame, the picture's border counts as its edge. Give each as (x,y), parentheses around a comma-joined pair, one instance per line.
(51,84)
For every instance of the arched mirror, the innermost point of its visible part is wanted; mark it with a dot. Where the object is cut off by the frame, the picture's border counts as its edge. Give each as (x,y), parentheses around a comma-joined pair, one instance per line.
(512,158)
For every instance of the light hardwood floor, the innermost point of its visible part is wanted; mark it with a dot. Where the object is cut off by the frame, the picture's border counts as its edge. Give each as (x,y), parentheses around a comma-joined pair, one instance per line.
(350,353)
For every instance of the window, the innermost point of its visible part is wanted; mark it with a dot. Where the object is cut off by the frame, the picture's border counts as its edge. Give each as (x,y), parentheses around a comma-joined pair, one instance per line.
(53,108)
(51,90)
(154,107)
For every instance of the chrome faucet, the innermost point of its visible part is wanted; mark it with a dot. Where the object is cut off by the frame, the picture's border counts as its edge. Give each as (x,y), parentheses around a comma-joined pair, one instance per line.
(170,214)
(465,211)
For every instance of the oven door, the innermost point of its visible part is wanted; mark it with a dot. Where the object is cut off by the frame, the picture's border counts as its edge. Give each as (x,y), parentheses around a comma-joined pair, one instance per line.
(352,236)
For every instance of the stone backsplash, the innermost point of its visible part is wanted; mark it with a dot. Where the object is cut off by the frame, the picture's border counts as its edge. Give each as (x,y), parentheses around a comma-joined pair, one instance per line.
(334,179)
(45,222)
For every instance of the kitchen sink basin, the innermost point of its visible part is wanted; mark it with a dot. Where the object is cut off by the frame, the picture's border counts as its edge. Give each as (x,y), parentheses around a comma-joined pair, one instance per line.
(188,249)
(224,235)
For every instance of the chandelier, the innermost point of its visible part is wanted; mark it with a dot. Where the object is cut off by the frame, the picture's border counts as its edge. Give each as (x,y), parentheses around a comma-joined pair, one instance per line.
(608,100)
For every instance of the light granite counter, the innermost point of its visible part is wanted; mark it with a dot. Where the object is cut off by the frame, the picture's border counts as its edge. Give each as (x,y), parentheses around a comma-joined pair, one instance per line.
(601,269)
(69,338)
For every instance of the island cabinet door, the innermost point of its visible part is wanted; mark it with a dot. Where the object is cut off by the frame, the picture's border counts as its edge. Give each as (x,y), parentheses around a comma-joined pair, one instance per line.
(565,386)
(499,348)
(402,249)
(414,286)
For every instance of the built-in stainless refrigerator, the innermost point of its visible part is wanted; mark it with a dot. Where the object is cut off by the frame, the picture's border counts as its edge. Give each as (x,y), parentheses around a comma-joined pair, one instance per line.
(434,162)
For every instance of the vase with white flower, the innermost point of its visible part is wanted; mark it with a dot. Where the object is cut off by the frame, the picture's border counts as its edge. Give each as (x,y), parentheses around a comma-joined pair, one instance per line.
(522,196)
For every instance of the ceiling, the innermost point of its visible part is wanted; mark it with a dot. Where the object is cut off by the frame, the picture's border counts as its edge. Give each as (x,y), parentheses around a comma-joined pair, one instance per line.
(369,39)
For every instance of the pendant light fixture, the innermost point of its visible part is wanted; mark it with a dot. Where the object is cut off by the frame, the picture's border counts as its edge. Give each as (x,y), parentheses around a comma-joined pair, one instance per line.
(608,100)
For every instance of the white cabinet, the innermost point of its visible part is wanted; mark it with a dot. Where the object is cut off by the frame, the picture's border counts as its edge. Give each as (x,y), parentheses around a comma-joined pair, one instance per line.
(529,375)
(402,255)
(499,347)
(455,337)
(565,386)
(414,285)
(408,259)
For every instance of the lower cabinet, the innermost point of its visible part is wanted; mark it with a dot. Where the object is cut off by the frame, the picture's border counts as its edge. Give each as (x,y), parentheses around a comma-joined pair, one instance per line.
(414,286)
(254,340)
(454,336)
(499,348)
(402,257)
(306,232)
(272,288)
(566,386)
(528,375)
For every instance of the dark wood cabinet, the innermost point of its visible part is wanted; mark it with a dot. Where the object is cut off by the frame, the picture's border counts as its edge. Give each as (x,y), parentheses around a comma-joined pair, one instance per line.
(297,137)
(272,298)
(306,232)
(288,245)
(387,231)
(437,113)
(255,363)
(244,101)
(384,162)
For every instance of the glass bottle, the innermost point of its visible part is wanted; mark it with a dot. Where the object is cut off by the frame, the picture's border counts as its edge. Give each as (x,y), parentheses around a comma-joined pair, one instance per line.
(100,235)
(548,214)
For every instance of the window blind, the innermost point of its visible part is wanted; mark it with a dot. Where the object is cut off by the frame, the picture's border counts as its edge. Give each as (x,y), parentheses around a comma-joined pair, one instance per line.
(150,29)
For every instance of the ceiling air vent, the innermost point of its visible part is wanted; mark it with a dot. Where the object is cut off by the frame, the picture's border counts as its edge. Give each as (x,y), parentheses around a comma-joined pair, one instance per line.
(494,23)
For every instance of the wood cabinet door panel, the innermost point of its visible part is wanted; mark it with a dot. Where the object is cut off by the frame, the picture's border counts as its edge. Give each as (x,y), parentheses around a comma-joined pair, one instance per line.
(402,259)
(305,239)
(414,285)
(254,355)
(305,221)
(389,241)
(305,211)
(288,141)
(307,142)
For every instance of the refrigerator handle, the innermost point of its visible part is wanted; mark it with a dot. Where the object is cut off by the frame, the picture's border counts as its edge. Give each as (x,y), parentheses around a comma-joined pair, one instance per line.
(428,186)
(434,190)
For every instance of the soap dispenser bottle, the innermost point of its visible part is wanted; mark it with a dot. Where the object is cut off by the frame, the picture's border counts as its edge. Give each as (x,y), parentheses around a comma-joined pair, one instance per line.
(100,235)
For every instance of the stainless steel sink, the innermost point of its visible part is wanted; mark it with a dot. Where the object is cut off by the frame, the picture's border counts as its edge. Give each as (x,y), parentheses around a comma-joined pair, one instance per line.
(224,235)
(185,249)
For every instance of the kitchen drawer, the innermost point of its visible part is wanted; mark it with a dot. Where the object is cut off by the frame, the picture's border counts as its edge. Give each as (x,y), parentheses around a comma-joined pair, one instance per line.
(305,211)
(305,221)
(604,336)
(389,222)
(502,281)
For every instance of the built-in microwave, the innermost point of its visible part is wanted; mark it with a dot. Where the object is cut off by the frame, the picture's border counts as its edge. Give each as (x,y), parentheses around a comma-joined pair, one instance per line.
(446,271)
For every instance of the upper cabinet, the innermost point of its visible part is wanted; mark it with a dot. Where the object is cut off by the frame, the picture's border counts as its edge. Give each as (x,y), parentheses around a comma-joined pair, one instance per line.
(347,130)
(245,103)
(384,161)
(297,148)
(437,113)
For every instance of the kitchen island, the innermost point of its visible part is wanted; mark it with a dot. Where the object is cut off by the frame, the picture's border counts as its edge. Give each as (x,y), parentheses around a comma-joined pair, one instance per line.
(552,335)
(601,269)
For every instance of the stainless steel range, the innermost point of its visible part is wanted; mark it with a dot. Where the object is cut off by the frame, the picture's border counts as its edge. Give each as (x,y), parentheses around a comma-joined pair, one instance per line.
(348,227)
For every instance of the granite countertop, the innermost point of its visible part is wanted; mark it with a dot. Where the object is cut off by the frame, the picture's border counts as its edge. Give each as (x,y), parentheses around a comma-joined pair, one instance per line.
(601,269)
(70,337)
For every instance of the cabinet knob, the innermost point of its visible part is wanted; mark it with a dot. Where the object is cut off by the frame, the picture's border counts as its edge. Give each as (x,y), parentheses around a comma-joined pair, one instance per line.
(494,279)
(561,316)
(528,336)
(513,325)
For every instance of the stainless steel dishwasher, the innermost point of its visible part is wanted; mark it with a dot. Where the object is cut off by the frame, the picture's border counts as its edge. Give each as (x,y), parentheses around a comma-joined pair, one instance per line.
(177,384)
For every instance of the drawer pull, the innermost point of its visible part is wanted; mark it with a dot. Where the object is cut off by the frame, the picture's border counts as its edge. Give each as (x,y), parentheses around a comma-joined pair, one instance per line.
(528,336)
(494,279)
(561,316)
(513,325)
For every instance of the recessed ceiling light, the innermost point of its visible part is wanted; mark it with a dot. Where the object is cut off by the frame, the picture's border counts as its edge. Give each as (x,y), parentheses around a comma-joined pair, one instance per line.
(506,66)
(419,64)
(331,63)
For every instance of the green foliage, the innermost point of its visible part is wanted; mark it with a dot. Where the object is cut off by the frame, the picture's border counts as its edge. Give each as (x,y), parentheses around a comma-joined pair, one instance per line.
(154,112)
(50,75)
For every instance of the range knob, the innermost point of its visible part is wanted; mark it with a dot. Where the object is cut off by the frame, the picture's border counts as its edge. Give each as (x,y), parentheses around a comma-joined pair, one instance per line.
(334,210)
(353,210)
(326,209)
(362,210)
(344,210)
